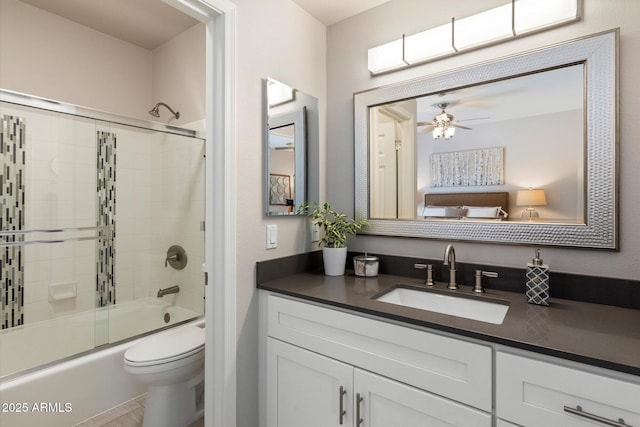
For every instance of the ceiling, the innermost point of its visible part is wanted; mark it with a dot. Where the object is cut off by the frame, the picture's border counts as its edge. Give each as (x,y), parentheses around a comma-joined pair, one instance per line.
(526,96)
(145,23)
(150,23)
(331,11)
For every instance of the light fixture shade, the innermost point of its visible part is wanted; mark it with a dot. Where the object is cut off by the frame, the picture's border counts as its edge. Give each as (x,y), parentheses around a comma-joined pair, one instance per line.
(482,28)
(428,44)
(491,26)
(531,15)
(449,132)
(278,93)
(531,197)
(386,57)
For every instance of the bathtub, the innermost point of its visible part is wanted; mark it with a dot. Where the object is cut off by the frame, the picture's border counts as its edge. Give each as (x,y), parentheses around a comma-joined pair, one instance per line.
(72,390)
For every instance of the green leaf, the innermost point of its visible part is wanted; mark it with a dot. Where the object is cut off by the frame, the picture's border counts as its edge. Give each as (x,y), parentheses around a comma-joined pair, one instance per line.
(336,225)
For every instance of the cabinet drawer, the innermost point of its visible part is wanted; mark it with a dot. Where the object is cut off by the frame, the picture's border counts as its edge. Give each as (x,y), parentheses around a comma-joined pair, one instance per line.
(446,366)
(535,393)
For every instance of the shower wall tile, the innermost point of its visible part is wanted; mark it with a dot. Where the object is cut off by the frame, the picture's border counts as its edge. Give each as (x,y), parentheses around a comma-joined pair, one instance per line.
(133,213)
(160,190)
(177,209)
(59,196)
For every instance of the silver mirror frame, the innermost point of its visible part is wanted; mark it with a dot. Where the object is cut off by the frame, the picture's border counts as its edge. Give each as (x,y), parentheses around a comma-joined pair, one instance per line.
(599,53)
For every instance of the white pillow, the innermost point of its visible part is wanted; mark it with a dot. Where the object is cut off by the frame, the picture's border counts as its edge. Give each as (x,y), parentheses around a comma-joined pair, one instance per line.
(438,211)
(483,211)
(444,211)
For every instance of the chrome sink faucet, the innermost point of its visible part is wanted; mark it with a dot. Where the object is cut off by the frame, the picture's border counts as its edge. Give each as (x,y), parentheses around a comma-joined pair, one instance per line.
(450,260)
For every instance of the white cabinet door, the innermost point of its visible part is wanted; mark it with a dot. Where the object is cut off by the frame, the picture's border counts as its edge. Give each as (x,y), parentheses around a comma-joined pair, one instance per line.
(304,388)
(381,402)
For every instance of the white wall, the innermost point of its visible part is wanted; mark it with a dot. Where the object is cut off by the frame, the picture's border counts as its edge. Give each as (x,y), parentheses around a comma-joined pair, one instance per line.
(275,38)
(548,156)
(45,55)
(179,75)
(347,44)
(52,57)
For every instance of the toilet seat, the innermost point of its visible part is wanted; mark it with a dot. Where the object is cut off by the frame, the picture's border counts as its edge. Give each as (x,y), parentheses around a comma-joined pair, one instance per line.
(165,347)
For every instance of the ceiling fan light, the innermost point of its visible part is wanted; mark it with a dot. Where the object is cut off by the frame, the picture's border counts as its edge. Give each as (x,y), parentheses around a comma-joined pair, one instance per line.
(443,119)
(437,132)
(449,132)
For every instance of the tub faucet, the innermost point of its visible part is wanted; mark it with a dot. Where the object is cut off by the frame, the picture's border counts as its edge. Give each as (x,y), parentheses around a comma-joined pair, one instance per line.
(450,260)
(167,291)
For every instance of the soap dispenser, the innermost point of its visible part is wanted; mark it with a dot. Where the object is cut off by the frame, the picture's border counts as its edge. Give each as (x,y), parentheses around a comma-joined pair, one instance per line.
(537,281)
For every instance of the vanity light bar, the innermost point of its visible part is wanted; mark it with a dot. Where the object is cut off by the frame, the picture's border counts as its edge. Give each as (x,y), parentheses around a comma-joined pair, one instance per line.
(518,18)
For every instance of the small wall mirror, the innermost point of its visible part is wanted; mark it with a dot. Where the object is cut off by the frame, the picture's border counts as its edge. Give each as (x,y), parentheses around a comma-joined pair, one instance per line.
(518,150)
(292,143)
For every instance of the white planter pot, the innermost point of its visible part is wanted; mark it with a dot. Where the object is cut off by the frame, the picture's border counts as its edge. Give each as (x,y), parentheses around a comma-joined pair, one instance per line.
(334,261)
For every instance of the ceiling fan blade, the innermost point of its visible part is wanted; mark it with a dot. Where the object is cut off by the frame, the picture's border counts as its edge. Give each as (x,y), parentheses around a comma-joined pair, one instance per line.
(424,124)
(475,118)
(460,127)
(427,129)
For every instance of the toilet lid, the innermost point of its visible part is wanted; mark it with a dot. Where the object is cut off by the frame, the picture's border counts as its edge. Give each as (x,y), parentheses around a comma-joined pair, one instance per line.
(166,346)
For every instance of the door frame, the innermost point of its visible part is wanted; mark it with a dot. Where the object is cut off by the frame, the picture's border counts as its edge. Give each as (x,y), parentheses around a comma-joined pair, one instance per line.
(220,206)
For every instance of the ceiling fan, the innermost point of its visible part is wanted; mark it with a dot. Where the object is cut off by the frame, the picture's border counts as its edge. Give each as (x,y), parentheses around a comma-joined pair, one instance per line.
(443,125)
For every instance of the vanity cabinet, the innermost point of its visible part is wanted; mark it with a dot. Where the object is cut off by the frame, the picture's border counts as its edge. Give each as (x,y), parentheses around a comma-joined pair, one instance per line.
(532,392)
(381,373)
(306,388)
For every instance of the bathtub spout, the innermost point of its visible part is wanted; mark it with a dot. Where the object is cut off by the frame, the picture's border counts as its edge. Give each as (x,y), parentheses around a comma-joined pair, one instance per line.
(167,291)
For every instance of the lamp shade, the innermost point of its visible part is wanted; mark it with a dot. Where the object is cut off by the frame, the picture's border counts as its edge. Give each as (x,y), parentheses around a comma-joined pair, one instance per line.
(531,197)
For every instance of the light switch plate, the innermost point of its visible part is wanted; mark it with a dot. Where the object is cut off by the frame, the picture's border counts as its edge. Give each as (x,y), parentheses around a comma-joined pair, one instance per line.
(315,233)
(272,236)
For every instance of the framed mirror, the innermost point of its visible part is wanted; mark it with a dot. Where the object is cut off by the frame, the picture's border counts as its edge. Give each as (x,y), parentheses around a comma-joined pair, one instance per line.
(291,147)
(518,150)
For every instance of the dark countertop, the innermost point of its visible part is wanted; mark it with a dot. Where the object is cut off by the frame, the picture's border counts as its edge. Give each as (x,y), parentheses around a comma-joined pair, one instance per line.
(596,334)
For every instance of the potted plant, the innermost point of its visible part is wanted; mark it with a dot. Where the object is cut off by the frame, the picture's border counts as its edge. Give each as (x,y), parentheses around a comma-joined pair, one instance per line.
(336,226)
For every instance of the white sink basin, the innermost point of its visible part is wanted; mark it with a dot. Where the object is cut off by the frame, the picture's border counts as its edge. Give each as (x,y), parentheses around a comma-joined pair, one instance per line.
(461,306)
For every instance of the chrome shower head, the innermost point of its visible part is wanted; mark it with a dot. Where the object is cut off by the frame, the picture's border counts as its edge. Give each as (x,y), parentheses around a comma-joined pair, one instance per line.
(156,113)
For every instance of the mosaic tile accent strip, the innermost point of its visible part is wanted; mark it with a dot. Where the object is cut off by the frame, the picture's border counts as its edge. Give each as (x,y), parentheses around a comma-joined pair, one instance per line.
(12,212)
(106,216)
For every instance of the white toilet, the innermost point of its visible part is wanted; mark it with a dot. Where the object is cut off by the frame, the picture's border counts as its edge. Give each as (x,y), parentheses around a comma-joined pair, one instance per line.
(172,364)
